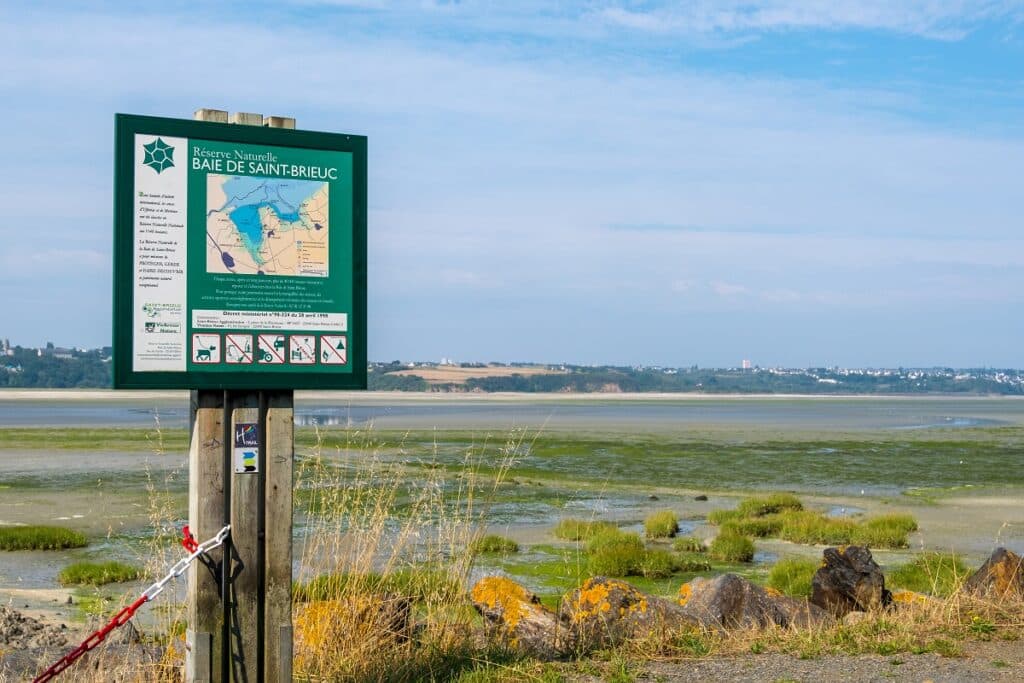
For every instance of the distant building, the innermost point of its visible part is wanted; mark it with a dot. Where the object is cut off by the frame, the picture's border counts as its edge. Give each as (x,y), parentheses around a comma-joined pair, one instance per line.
(746,364)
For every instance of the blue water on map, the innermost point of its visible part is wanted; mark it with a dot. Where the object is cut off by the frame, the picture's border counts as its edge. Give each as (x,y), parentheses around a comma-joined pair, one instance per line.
(248,194)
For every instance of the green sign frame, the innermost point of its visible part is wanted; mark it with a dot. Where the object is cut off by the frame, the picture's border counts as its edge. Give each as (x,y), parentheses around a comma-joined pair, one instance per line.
(239,257)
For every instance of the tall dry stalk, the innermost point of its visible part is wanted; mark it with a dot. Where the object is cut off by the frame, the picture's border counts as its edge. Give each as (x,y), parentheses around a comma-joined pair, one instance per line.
(385,556)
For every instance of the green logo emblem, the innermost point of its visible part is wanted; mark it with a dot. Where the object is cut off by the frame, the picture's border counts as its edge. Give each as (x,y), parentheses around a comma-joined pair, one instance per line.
(159,155)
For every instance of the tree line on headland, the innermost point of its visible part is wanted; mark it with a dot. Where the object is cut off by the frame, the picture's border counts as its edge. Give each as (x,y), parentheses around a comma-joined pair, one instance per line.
(56,367)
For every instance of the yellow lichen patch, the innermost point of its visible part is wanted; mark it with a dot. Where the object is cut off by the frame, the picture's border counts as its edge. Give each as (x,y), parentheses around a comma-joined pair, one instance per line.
(774,592)
(908,597)
(685,591)
(497,592)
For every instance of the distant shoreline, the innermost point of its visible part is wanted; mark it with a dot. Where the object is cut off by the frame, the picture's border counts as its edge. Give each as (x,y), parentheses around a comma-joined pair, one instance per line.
(110,395)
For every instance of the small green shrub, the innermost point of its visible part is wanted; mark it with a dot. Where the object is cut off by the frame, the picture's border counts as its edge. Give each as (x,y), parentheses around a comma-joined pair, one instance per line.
(616,554)
(793,576)
(581,529)
(492,543)
(97,573)
(728,546)
(661,524)
(688,544)
(759,506)
(939,574)
(40,538)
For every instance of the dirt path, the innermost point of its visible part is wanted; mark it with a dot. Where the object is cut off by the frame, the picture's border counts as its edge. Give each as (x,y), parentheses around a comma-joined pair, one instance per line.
(992,661)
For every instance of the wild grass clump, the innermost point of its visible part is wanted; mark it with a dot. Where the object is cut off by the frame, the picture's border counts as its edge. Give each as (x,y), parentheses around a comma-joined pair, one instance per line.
(580,529)
(385,540)
(782,516)
(939,574)
(813,528)
(758,527)
(728,546)
(688,544)
(885,531)
(97,573)
(40,538)
(493,544)
(720,517)
(616,553)
(661,524)
(759,506)
(793,576)
(419,584)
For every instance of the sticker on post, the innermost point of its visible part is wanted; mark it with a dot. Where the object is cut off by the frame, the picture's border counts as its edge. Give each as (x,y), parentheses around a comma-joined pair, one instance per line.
(205,348)
(238,348)
(333,349)
(271,349)
(247,447)
(302,349)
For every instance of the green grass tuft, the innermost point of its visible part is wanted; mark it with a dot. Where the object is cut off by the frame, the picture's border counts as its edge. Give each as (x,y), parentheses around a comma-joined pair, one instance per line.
(885,531)
(492,543)
(728,546)
(759,506)
(616,554)
(661,524)
(420,584)
(97,573)
(581,529)
(688,544)
(40,538)
(939,574)
(758,527)
(793,576)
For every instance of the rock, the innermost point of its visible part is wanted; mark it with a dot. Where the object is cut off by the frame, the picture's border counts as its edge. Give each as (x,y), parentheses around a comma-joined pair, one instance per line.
(854,618)
(652,497)
(849,580)
(1001,576)
(18,631)
(604,612)
(729,601)
(515,617)
(701,497)
(375,619)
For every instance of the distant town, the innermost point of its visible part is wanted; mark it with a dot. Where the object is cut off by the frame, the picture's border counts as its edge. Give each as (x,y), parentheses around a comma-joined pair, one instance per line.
(53,366)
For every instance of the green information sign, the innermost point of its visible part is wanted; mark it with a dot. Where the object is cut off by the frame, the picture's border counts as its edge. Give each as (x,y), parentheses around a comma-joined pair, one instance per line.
(239,257)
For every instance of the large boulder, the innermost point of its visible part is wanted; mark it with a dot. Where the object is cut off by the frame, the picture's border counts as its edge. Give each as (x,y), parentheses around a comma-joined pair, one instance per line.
(849,580)
(515,617)
(729,601)
(604,612)
(1001,576)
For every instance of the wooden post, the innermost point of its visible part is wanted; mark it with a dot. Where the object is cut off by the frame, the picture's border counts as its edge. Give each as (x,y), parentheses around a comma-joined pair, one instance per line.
(241,630)
(203,639)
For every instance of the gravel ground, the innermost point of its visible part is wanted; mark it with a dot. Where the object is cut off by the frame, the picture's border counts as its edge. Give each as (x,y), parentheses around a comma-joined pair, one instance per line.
(992,661)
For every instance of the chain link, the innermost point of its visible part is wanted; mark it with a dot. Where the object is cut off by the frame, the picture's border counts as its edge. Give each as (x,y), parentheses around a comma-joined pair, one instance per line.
(126,613)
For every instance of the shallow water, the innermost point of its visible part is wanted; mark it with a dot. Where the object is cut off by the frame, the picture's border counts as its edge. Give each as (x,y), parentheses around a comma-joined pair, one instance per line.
(640,414)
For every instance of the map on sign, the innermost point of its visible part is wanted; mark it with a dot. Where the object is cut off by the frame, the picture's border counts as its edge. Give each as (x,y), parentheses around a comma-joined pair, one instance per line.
(266,226)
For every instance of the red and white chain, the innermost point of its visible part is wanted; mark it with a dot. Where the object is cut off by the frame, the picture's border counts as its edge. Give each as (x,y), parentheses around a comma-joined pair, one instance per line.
(126,613)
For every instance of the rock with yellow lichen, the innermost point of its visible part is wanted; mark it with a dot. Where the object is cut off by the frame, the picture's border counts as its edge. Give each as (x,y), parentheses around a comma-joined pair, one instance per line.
(729,601)
(1002,576)
(604,612)
(515,618)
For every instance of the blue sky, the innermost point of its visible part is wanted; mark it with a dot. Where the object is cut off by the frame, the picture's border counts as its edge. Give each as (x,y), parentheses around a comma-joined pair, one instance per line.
(798,183)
